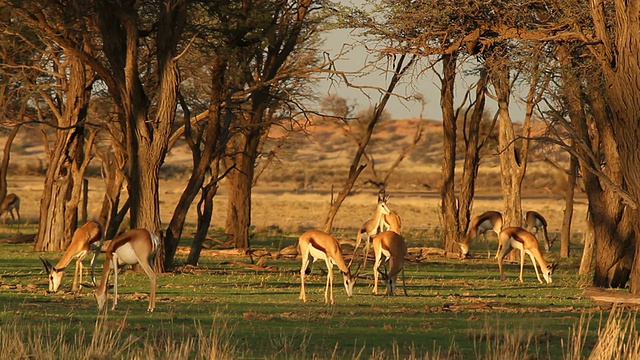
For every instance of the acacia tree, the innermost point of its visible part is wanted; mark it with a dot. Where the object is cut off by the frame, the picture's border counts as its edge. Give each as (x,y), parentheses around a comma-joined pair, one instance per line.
(64,86)
(355,169)
(438,31)
(617,52)
(146,113)
(271,57)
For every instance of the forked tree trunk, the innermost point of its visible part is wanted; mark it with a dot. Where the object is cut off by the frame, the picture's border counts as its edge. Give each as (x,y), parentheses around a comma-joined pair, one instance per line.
(513,158)
(207,148)
(456,212)
(63,180)
(472,156)
(205,214)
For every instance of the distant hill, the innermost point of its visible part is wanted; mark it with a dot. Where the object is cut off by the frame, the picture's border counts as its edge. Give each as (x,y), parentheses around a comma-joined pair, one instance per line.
(319,158)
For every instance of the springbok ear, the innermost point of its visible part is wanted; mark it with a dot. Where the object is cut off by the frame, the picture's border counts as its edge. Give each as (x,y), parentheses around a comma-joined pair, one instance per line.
(47,265)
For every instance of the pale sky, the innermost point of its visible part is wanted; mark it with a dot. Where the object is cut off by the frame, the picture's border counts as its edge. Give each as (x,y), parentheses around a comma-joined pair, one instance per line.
(425,86)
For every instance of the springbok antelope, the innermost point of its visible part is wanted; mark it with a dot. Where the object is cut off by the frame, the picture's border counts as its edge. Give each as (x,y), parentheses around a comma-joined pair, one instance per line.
(10,203)
(374,226)
(322,246)
(519,238)
(392,246)
(136,246)
(83,238)
(489,220)
(533,220)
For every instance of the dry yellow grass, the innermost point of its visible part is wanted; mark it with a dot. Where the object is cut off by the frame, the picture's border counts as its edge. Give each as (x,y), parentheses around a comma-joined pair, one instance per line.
(322,163)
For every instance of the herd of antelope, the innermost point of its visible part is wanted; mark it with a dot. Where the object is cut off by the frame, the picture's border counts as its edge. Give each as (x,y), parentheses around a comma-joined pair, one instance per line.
(382,232)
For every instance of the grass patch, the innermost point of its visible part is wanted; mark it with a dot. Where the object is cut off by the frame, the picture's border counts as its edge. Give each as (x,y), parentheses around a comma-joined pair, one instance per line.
(455,310)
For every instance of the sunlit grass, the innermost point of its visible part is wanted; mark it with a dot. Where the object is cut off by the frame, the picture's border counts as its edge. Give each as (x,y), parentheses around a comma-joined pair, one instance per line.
(455,310)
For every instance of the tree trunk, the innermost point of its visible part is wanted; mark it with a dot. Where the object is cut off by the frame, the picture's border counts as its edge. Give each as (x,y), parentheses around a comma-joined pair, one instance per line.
(565,239)
(63,180)
(618,51)
(607,221)
(205,214)
(612,221)
(239,184)
(586,261)
(6,156)
(448,208)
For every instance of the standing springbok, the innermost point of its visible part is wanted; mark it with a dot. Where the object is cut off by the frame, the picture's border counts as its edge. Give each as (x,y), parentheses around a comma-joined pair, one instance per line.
(373,226)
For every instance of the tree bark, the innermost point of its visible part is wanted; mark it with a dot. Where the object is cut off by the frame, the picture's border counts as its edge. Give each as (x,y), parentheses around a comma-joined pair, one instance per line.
(618,51)
(239,185)
(448,208)
(565,238)
(586,261)
(6,156)
(63,180)
(207,148)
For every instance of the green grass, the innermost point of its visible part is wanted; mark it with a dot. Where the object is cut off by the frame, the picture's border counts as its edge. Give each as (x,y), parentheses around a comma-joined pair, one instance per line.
(456,308)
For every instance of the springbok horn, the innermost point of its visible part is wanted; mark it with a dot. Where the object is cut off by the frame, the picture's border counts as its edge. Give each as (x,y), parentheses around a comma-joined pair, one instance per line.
(47,265)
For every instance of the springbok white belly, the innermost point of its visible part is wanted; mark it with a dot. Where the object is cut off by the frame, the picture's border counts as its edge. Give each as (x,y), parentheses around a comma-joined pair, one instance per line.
(126,255)
(485,226)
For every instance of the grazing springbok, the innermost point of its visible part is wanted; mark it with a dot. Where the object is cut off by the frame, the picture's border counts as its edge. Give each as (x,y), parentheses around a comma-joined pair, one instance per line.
(83,239)
(533,220)
(136,246)
(321,246)
(519,238)
(10,203)
(490,220)
(392,246)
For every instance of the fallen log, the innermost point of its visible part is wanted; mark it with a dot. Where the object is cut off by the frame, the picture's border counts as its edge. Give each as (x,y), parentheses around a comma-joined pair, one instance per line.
(600,295)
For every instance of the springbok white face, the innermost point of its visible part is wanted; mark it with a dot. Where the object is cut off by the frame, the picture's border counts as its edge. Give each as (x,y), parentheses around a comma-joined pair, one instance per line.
(54,275)
(55,278)
(546,273)
(349,282)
